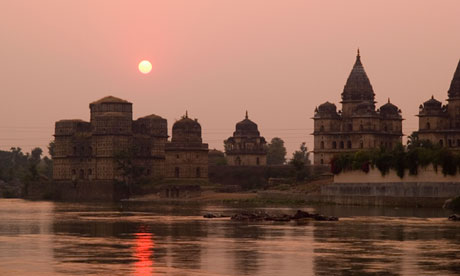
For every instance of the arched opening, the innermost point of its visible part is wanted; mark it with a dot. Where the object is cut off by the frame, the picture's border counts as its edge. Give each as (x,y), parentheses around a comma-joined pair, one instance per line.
(198,172)
(257,161)
(342,145)
(177,172)
(90,173)
(321,161)
(322,145)
(238,161)
(321,128)
(385,127)
(361,127)
(361,144)
(441,143)
(449,142)
(428,126)
(334,144)
(82,174)
(349,144)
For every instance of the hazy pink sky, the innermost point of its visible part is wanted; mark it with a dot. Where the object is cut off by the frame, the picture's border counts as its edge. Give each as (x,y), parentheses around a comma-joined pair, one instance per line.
(217,58)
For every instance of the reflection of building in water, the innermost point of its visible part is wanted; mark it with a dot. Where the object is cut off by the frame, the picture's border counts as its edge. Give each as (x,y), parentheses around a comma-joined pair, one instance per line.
(369,247)
(358,126)
(441,123)
(246,147)
(180,191)
(186,155)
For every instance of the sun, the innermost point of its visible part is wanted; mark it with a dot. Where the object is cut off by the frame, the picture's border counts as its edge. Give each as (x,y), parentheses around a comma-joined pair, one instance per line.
(145,67)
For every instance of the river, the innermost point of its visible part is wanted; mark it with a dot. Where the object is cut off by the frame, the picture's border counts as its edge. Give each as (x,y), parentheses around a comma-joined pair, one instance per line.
(141,238)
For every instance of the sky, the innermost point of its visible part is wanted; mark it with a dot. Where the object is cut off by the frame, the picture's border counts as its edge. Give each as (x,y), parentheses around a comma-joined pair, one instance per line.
(217,59)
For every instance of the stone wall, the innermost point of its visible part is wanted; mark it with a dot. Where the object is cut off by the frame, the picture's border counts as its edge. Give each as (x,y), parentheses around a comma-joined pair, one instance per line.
(428,188)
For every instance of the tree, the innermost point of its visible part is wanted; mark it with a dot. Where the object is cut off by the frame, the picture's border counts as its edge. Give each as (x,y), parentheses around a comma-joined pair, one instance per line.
(276,154)
(300,158)
(51,147)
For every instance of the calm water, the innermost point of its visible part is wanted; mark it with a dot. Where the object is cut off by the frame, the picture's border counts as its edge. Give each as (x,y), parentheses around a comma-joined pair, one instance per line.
(44,238)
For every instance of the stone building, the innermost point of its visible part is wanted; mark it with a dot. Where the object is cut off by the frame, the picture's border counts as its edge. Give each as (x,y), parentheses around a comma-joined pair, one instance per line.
(358,125)
(246,147)
(186,155)
(90,150)
(441,123)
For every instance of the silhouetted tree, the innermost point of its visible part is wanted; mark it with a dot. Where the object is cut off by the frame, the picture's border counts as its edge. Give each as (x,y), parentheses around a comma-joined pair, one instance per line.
(276,154)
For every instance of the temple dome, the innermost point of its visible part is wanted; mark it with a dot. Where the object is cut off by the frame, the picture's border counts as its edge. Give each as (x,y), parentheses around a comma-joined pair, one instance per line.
(110,99)
(389,108)
(432,104)
(186,130)
(327,107)
(246,128)
(358,86)
(454,89)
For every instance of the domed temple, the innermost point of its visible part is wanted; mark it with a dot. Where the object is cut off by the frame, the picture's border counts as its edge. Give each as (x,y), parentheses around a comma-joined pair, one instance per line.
(186,155)
(246,147)
(441,123)
(358,125)
(93,150)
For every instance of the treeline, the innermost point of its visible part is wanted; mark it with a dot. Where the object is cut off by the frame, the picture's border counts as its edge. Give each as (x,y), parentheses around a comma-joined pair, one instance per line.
(417,154)
(15,165)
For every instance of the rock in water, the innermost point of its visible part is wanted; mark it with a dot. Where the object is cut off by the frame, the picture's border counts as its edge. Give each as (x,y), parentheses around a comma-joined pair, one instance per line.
(454,217)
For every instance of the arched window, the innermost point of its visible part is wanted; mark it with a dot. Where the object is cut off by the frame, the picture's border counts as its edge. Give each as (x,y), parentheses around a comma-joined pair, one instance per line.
(238,161)
(82,174)
(321,161)
(428,126)
(257,161)
(361,144)
(322,145)
(334,144)
(342,144)
(385,127)
(441,143)
(349,144)
(177,172)
(449,142)
(198,172)
(321,128)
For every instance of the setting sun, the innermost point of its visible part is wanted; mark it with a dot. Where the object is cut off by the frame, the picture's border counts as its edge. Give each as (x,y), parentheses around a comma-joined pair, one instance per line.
(145,67)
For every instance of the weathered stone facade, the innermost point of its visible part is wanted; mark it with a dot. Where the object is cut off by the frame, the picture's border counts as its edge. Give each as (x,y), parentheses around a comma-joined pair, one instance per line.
(358,125)
(87,150)
(246,147)
(441,123)
(186,155)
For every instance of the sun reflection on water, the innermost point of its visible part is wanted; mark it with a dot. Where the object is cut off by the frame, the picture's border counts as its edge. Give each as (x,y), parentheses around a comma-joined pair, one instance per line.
(143,253)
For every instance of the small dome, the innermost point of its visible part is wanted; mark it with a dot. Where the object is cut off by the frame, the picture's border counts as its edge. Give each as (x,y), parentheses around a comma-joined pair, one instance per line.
(152,117)
(186,130)
(246,128)
(389,108)
(110,99)
(432,104)
(327,107)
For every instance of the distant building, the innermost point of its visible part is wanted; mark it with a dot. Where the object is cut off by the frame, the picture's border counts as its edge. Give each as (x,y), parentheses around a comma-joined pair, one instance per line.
(441,123)
(89,150)
(246,147)
(359,125)
(186,155)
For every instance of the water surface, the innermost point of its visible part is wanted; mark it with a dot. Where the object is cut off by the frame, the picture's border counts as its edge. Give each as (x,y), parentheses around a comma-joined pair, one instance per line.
(45,238)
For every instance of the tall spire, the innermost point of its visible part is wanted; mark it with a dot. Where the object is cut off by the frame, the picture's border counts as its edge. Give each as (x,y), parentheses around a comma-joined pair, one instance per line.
(454,90)
(358,86)
(247,115)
